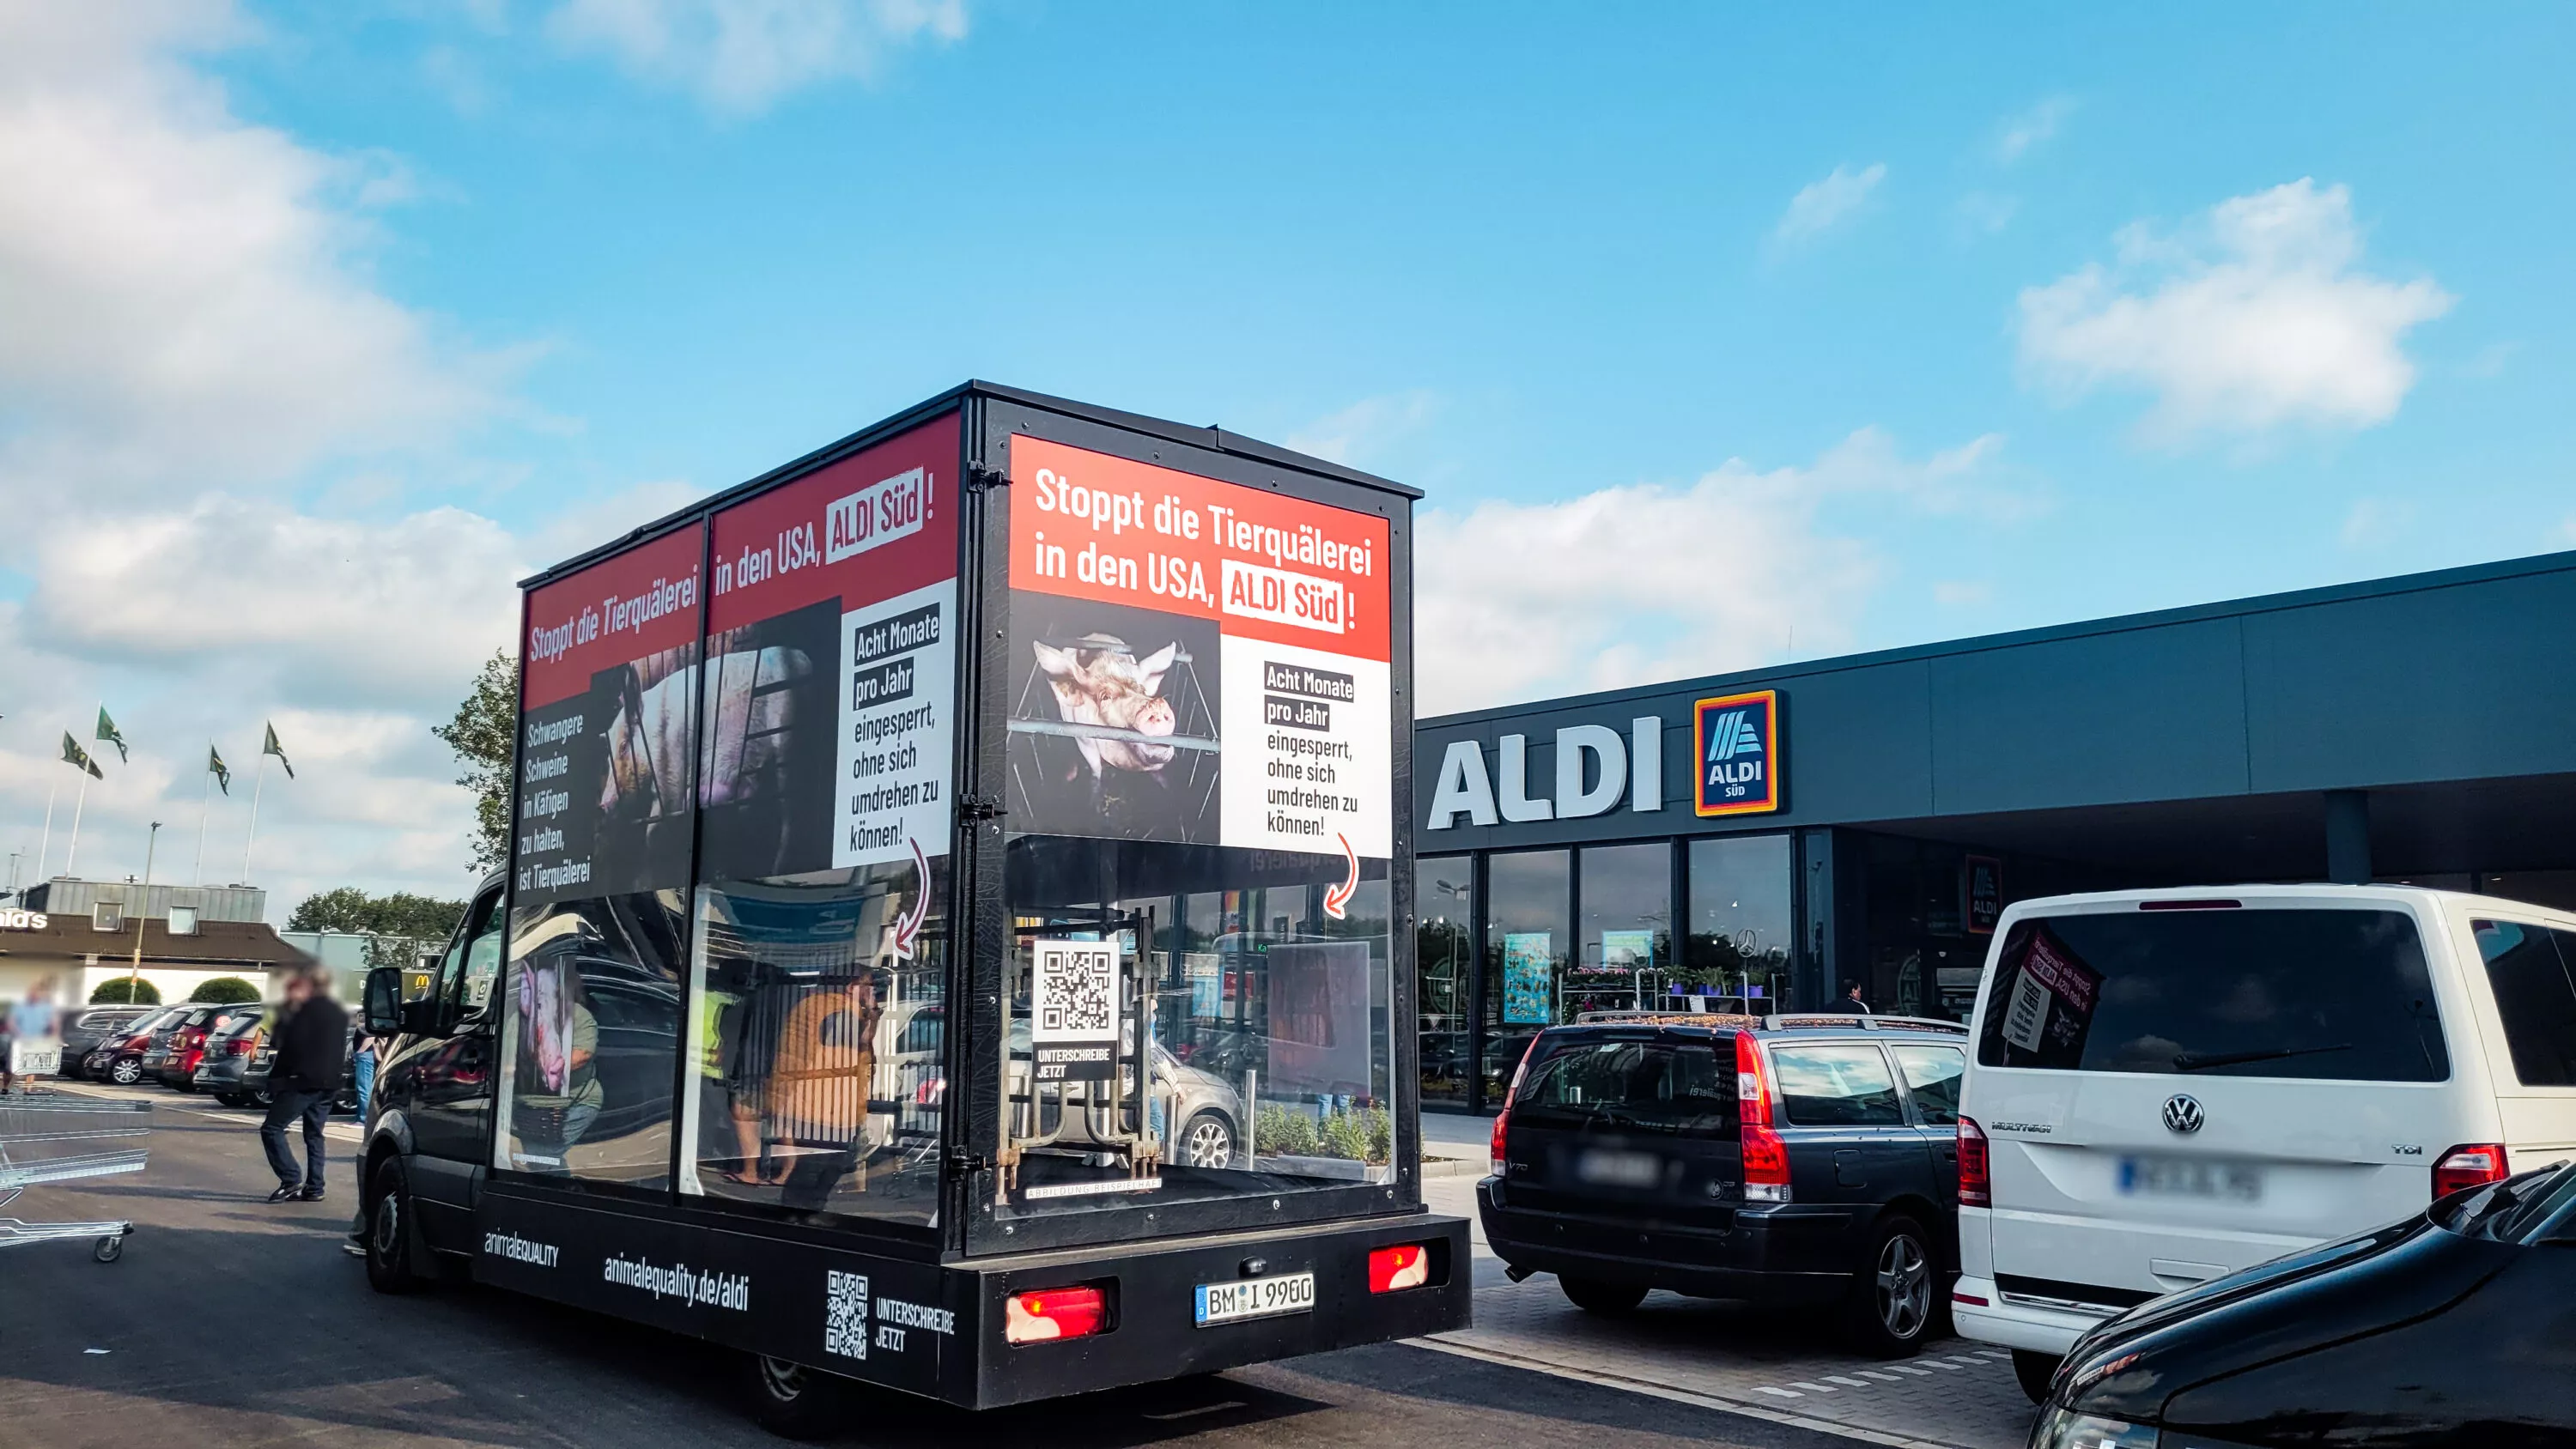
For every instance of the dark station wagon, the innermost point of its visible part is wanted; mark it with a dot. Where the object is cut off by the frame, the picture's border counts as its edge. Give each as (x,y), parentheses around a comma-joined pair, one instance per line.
(1793,1159)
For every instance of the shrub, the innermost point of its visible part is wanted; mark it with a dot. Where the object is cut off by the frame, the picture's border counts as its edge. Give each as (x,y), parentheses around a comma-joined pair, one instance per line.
(1283,1132)
(115,992)
(1381,1134)
(1346,1135)
(224,991)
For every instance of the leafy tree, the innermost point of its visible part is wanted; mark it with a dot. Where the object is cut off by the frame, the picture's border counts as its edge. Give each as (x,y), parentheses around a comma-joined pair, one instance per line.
(114,992)
(402,922)
(486,724)
(224,991)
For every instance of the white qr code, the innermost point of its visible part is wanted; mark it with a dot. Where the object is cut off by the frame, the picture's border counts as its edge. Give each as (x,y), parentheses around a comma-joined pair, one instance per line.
(1074,993)
(845,1314)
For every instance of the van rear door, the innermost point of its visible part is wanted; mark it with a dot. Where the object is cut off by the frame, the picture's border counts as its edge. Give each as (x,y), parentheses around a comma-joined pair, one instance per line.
(1628,1122)
(2176,1090)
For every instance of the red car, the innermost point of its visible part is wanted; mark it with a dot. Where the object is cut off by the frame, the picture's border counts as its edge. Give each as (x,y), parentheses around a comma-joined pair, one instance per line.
(174,1061)
(119,1059)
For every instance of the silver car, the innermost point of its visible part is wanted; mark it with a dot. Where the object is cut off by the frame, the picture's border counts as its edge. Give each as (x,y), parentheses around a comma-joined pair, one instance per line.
(1202,1113)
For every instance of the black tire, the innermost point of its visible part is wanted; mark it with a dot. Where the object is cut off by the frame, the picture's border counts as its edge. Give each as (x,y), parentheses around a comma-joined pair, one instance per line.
(1207,1140)
(793,1401)
(2035,1370)
(125,1072)
(390,1231)
(1890,1309)
(231,1099)
(1595,1295)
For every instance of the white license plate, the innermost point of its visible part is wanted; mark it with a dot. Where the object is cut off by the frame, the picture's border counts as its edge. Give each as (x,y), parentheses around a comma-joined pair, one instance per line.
(1619,1169)
(2190,1177)
(1255,1298)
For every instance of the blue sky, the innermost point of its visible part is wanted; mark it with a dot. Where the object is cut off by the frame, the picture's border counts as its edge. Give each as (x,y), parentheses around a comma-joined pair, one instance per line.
(1714,335)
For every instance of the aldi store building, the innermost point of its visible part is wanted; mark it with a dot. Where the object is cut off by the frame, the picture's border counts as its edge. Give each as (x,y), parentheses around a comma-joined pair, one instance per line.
(1765,838)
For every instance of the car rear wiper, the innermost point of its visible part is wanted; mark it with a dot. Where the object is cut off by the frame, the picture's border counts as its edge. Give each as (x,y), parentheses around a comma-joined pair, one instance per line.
(2201,1061)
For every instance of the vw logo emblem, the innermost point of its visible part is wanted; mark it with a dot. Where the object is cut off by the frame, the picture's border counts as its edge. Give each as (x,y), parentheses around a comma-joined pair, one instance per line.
(2182,1113)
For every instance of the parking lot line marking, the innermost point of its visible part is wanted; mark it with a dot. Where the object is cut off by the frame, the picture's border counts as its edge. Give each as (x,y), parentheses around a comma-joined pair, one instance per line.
(1992,1353)
(1884,1378)
(1813,1388)
(1440,1343)
(1962,1362)
(1942,1364)
(1780,1393)
(1847,1381)
(1910,1369)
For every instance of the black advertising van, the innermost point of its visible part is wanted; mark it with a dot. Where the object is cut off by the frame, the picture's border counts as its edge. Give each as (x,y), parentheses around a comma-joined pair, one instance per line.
(958,929)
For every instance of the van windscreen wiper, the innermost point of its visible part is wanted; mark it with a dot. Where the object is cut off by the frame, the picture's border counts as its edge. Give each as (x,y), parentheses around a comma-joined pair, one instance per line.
(2202,1061)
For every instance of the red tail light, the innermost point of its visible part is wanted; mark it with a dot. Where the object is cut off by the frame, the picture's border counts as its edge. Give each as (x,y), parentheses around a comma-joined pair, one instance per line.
(1976,1175)
(237,1047)
(1503,1118)
(1765,1156)
(1052,1313)
(2473,1164)
(1391,1269)
(192,1039)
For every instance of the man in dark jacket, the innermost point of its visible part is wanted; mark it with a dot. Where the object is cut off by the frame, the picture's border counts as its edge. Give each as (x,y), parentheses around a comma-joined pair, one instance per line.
(312,1051)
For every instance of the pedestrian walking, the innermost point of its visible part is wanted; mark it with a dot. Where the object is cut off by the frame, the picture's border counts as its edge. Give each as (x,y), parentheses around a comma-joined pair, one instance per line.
(1853,1000)
(364,1069)
(312,1047)
(31,1021)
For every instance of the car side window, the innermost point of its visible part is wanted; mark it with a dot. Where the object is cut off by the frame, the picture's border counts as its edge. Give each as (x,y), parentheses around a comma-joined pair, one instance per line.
(474,958)
(1837,1086)
(1932,1076)
(2533,972)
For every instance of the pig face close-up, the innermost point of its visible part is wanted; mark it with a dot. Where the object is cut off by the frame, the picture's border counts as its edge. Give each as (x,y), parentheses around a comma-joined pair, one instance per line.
(1100,681)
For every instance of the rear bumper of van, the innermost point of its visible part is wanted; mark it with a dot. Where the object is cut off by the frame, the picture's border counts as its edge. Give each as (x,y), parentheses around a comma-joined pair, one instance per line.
(1794,1253)
(1985,1313)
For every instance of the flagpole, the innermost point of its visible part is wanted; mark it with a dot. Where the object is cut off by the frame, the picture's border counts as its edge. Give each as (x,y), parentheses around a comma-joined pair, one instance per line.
(46,852)
(259,781)
(78,804)
(204,810)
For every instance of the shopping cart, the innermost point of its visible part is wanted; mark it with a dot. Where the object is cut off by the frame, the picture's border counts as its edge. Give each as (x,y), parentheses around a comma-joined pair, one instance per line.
(45,1139)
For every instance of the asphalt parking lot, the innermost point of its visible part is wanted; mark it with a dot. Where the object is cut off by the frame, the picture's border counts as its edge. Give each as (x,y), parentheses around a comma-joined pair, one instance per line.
(232,1322)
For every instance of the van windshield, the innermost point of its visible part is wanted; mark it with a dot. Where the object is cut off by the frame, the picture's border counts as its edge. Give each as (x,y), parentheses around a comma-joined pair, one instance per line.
(1626,1084)
(2341,995)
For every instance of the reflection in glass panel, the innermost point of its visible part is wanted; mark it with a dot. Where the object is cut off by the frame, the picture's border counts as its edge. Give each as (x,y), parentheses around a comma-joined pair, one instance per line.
(591,1032)
(1526,945)
(819,1080)
(1741,926)
(1444,895)
(1264,1018)
(1626,930)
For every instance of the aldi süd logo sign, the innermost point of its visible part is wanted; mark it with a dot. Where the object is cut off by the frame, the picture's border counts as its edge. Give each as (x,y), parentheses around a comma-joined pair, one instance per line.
(1736,741)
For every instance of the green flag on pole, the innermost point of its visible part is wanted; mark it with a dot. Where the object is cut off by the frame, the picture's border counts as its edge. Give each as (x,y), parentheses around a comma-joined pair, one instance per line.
(274,748)
(107,731)
(215,762)
(78,758)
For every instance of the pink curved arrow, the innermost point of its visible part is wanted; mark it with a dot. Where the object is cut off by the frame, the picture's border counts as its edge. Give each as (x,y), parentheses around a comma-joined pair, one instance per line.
(1339,896)
(908,925)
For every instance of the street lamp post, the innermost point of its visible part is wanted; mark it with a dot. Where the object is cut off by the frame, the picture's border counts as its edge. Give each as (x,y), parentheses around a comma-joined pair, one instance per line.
(142,913)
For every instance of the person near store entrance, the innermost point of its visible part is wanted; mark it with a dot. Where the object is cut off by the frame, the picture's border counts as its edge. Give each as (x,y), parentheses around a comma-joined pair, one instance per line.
(1853,1001)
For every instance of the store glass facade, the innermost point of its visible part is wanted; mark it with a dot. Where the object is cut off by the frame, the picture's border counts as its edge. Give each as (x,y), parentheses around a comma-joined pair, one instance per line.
(1510,942)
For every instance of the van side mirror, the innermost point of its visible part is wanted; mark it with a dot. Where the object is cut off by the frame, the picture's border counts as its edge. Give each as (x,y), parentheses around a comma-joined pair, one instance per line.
(382,1008)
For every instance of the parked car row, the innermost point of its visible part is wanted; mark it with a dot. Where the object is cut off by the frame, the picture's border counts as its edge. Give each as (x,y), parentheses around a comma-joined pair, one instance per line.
(222,1050)
(2230,1168)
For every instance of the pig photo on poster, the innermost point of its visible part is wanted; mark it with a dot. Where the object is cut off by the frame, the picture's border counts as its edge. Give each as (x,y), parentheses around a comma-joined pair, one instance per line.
(769,746)
(1113,721)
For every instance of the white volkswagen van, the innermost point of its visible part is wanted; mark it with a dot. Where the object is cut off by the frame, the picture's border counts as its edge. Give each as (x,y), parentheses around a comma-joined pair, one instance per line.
(2171,1085)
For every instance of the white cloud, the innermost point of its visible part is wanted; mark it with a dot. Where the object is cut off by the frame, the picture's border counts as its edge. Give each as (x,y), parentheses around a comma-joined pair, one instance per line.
(2031,128)
(1358,435)
(1820,204)
(2258,317)
(739,56)
(1962,593)
(186,292)
(1617,587)
(190,337)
